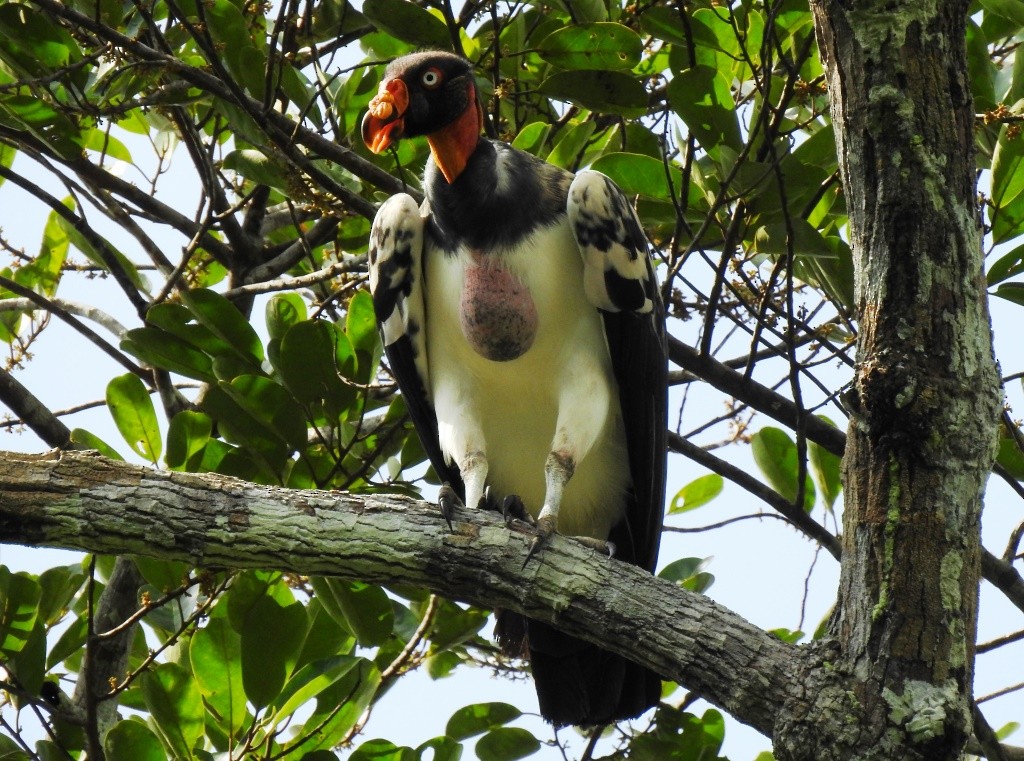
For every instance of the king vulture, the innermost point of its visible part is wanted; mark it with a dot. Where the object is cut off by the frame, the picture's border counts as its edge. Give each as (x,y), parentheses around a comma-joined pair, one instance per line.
(520,315)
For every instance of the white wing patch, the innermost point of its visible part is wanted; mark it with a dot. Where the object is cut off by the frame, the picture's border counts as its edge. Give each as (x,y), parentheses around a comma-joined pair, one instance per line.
(396,277)
(617,274)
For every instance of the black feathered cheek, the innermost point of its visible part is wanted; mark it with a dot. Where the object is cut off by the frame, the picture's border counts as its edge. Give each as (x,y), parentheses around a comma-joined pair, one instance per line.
(433,109)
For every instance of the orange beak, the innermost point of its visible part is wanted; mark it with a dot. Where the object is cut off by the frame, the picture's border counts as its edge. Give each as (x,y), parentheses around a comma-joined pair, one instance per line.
(383,124)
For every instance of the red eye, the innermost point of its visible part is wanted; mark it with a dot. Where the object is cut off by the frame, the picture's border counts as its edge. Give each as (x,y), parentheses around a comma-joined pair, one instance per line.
(431,78)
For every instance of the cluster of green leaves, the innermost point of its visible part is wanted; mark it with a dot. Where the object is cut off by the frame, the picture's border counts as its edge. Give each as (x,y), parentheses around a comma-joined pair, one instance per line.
(270,671)
(297,412)
(713,116)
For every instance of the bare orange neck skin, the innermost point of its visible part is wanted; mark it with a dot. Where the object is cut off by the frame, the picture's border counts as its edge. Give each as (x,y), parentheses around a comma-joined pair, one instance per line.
(452,146)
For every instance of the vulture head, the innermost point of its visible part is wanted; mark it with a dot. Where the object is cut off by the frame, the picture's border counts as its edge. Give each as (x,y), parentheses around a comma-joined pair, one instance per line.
(433,94)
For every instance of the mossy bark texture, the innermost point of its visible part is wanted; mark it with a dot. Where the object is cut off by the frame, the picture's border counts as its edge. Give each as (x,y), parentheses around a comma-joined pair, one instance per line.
(926,394)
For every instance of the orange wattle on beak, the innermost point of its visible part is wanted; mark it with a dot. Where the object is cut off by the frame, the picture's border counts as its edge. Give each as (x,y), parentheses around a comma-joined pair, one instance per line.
(383,124)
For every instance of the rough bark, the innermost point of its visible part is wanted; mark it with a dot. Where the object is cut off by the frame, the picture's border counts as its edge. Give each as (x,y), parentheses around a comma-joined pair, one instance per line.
(926,395)
(83,501)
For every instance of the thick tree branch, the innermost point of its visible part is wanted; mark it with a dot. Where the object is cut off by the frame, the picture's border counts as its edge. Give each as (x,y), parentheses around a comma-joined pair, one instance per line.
(86,502)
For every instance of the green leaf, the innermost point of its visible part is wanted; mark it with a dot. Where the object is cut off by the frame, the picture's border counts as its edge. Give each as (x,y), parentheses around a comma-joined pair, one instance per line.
(637,174)
(478,718)
(257,166)
(570,145)
(19,598)
(134,415)
(382,750)
(271,639)
(713,729)
(329,723)
(131,740)
(702,98)
(272,405)
(241,426)
(70,643)
(225,321)
(1011,292)
(325,638)
(443,664)
(1007,266)
(680,734)
(361,323)
(1012,10)
(531,138)
(696,494)
(58,586)
(85,440)
(29,664)
(164,575)
(776,455)
(53,251)
(308,682)
(453,624)
(665,24)
(788,635)
(230,30)
(10,750)
(602,45)
(1007,189)
(161,349)
(364,609)
(689,573)
(1007,729)
(99,250)
(101,141)
(172,697)
(408,22)
(187,436)
(37,37)
(1011,457)
(441,749)
(179,320)
(775,239)
(981,70)
(712,30)
(506,744)
(827,470)
(216,657)
(282,312)
(612,92)
(309,360)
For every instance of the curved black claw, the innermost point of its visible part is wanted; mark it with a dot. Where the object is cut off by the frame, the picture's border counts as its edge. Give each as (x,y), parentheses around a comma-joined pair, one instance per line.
(449,502)
(545,530)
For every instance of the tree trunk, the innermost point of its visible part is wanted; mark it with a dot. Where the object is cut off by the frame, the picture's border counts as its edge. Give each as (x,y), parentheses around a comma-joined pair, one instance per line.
(926,395)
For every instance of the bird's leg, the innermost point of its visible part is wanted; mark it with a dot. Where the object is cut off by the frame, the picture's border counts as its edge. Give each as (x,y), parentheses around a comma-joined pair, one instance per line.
(558,469)
(474,477)
(582,415)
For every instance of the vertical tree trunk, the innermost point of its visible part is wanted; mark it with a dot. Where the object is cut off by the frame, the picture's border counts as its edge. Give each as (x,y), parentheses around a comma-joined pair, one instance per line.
(926,395)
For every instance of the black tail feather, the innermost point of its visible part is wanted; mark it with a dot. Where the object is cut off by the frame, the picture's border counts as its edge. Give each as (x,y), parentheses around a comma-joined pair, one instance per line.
(577,683)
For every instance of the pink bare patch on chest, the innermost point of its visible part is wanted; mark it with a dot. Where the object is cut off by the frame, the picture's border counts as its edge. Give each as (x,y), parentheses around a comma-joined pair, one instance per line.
(497,313)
